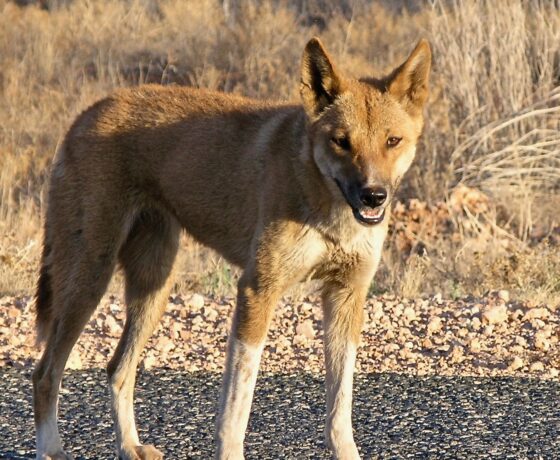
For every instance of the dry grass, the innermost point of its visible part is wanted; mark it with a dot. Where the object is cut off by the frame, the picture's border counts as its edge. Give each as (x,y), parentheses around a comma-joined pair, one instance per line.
(494,116)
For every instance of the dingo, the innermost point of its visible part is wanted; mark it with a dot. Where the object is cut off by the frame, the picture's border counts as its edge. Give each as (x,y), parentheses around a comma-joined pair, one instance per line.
(286,192)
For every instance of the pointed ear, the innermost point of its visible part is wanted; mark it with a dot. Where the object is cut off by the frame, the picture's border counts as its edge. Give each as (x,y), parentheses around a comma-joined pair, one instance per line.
(409,82)
(320,84)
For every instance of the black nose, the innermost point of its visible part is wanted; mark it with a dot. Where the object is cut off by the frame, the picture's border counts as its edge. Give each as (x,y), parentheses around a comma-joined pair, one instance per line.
(373,196)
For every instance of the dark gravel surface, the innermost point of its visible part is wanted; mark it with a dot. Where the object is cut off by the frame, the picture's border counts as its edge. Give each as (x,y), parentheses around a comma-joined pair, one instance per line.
(395,416)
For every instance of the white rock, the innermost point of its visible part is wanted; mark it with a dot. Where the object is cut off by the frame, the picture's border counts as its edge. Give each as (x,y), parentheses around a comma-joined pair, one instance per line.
(516,363)
(536,313)
(541,342)
(390,347)
(476,324)
(475,310)
(196,301)
(112,325)
(409,314)
(456,355)
(503,295)
(377,311)
(197,320)
(149,362)
(305,329)
(434,325)
(210,313)
(74,361)
(474,345)
(495,314)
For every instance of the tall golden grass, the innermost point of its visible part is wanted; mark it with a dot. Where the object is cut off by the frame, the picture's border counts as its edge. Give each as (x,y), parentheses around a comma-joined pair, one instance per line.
(494,114)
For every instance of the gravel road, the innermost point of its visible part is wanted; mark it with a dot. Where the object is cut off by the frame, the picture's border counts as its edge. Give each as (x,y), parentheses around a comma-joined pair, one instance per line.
(396,416)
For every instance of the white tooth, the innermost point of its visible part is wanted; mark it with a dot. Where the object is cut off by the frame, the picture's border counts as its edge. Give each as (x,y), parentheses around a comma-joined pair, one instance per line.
(371,213)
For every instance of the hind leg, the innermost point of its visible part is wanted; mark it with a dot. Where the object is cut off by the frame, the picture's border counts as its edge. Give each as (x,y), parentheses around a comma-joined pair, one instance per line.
(79,275)
(147,258)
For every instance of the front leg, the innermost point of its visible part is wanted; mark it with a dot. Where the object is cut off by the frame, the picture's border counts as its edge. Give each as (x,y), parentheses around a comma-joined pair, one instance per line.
(284,256)
(250,325)
(256,298)
(240,376)
(343,305)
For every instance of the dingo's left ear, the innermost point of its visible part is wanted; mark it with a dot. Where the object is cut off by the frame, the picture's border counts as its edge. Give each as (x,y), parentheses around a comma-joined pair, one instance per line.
(409,82)
(320,83)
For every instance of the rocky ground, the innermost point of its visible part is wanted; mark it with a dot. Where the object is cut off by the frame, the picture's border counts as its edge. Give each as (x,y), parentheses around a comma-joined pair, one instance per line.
(490,336)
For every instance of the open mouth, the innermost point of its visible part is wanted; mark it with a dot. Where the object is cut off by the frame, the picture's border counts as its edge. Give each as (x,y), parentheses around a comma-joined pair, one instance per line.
(364,215)
(368,215)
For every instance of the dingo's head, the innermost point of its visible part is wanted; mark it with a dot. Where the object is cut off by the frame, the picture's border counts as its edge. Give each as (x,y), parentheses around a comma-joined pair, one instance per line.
(363,133)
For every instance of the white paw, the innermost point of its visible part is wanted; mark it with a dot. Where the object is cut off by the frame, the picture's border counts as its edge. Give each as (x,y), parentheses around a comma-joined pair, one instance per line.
(60,455)
(342,445)
(145,452)
(346,452)
(229,452)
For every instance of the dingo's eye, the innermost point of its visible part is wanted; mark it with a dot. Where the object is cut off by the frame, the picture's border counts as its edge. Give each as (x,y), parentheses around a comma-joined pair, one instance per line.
(393,141)
(341,141)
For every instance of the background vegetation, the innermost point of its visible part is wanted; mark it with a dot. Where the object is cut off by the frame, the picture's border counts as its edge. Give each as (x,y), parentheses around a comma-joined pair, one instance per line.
(480,206)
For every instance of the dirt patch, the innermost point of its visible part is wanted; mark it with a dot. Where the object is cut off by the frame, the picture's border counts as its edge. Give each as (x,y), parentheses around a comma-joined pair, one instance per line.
(489,336)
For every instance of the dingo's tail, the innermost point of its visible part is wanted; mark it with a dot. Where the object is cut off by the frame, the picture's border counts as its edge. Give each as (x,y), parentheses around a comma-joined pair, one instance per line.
(43,300)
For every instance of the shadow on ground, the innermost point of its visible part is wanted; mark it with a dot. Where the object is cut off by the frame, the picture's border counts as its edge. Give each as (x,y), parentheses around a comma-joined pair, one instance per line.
(395,416)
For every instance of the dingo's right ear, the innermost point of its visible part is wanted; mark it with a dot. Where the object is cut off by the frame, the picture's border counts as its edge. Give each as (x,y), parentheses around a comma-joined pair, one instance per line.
(320,83)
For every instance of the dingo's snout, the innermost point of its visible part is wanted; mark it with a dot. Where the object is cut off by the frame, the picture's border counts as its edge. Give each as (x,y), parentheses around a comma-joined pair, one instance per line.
(373,197)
